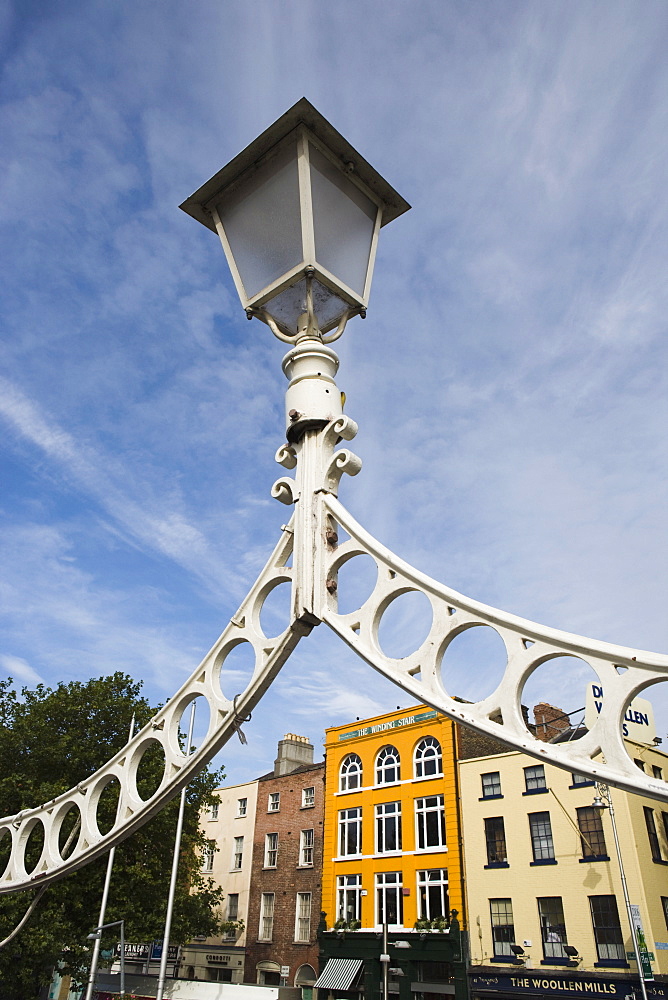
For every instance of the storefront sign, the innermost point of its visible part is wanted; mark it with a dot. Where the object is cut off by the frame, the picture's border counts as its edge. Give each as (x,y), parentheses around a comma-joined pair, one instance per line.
(530,983)
(638,721)
(408,720)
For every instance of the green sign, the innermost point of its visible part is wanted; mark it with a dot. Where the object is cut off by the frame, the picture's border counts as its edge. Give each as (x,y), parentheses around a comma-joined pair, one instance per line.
(409,720)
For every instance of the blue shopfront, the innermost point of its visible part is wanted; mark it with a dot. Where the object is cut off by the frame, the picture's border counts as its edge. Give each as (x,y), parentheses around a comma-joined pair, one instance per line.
(484,984)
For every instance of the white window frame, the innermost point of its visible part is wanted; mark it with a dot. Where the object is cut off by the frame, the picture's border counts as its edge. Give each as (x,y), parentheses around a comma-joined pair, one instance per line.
(207,858)
(212,812)
(348,889)
(232,911)
(387,884)
(242,807)
(237,854)
(306,843)
(274,802)
(422,811)
(350,773)
(303,917)
(388,761)
(270,850)
(388,827)
(438,880)
(308,797)
(350,818)
(427,750)
(266,928)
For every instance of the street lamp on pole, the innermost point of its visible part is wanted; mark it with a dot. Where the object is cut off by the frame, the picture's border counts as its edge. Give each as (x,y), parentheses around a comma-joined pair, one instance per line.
(97,934)
(603,800)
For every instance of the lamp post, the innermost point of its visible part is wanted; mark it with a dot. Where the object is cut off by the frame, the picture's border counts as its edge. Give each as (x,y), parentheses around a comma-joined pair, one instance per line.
(97,934)
(603,800)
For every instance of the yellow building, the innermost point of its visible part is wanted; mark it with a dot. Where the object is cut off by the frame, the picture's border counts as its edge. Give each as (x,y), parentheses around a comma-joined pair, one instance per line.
(546,907)
(391,831)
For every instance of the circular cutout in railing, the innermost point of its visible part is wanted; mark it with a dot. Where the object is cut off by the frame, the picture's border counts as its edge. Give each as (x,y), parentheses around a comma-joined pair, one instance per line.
(150,770)
(5,850)
(34,846)
(644,727)
(356,579)
(473,663)
(556,696)
(69,830)
(237,668)
(275,610)
(405,624)
(107,806)
(200,723)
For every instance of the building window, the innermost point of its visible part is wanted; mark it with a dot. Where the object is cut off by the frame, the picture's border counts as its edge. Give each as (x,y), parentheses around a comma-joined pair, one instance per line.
(274,803)
(212,812)
(580,779)
(534,779)
(432,889)
(650,823)
(303,917)
(388,827)
(267,916)
(350,774)
(657,772)
(495,839)
(207,858)
(348,897)
(238,853)
(639,763)
(387,766)
(491,785)
(270,850)
(607,931)
(430,822)
(306,848)
(308,797)
(541,836)
(664,903)
(552,926)
(389,899)
(350,832)
(242,807)
(590,823)
(664,817)
(233,906)
(428,758)
(503,929)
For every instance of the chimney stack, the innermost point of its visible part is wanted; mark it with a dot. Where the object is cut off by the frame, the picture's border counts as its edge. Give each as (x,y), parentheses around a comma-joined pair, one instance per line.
(293,751)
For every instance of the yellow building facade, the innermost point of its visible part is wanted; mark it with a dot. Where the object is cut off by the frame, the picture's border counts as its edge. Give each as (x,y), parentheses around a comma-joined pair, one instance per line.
(544,891)
(391,848)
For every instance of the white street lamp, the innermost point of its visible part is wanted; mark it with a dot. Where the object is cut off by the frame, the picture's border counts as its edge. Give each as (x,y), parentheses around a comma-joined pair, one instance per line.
(603,800)
(298,214)
(97,934)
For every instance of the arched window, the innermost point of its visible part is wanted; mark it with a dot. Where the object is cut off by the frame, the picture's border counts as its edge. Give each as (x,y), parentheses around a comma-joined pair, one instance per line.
(428,758)
(268,973)
(351,773)
(387,766)
(305,976)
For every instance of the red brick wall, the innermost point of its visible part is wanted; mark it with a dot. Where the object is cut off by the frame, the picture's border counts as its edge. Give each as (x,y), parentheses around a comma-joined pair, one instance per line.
(287,879)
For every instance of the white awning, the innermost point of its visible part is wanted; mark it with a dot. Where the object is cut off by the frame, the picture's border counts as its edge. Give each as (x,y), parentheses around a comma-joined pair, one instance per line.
(339,973)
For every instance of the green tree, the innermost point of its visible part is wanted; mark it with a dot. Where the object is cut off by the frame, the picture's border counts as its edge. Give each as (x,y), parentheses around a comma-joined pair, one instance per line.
(50,740)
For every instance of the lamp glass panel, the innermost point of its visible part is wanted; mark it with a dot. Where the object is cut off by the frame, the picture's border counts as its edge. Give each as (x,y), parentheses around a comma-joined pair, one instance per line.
(343,221)
(262,221)
(288,305)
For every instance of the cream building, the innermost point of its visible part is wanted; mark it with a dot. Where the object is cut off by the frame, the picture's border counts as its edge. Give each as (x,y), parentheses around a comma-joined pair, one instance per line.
(546,910)
(230,824)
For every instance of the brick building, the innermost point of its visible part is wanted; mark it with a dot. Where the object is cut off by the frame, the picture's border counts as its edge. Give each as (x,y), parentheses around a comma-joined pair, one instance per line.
(286,870)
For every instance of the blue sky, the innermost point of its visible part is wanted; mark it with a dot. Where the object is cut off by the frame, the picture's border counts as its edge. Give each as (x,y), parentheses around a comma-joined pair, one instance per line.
(509,382)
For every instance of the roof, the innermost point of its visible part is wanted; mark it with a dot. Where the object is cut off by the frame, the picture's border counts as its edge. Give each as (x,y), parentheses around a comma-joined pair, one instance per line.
(301,769)
(301,113)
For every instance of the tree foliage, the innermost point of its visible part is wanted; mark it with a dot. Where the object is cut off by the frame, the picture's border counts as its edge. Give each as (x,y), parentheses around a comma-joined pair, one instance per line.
(49,741)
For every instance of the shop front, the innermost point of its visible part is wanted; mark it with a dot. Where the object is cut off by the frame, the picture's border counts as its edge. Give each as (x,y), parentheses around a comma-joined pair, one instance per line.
(511,985)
